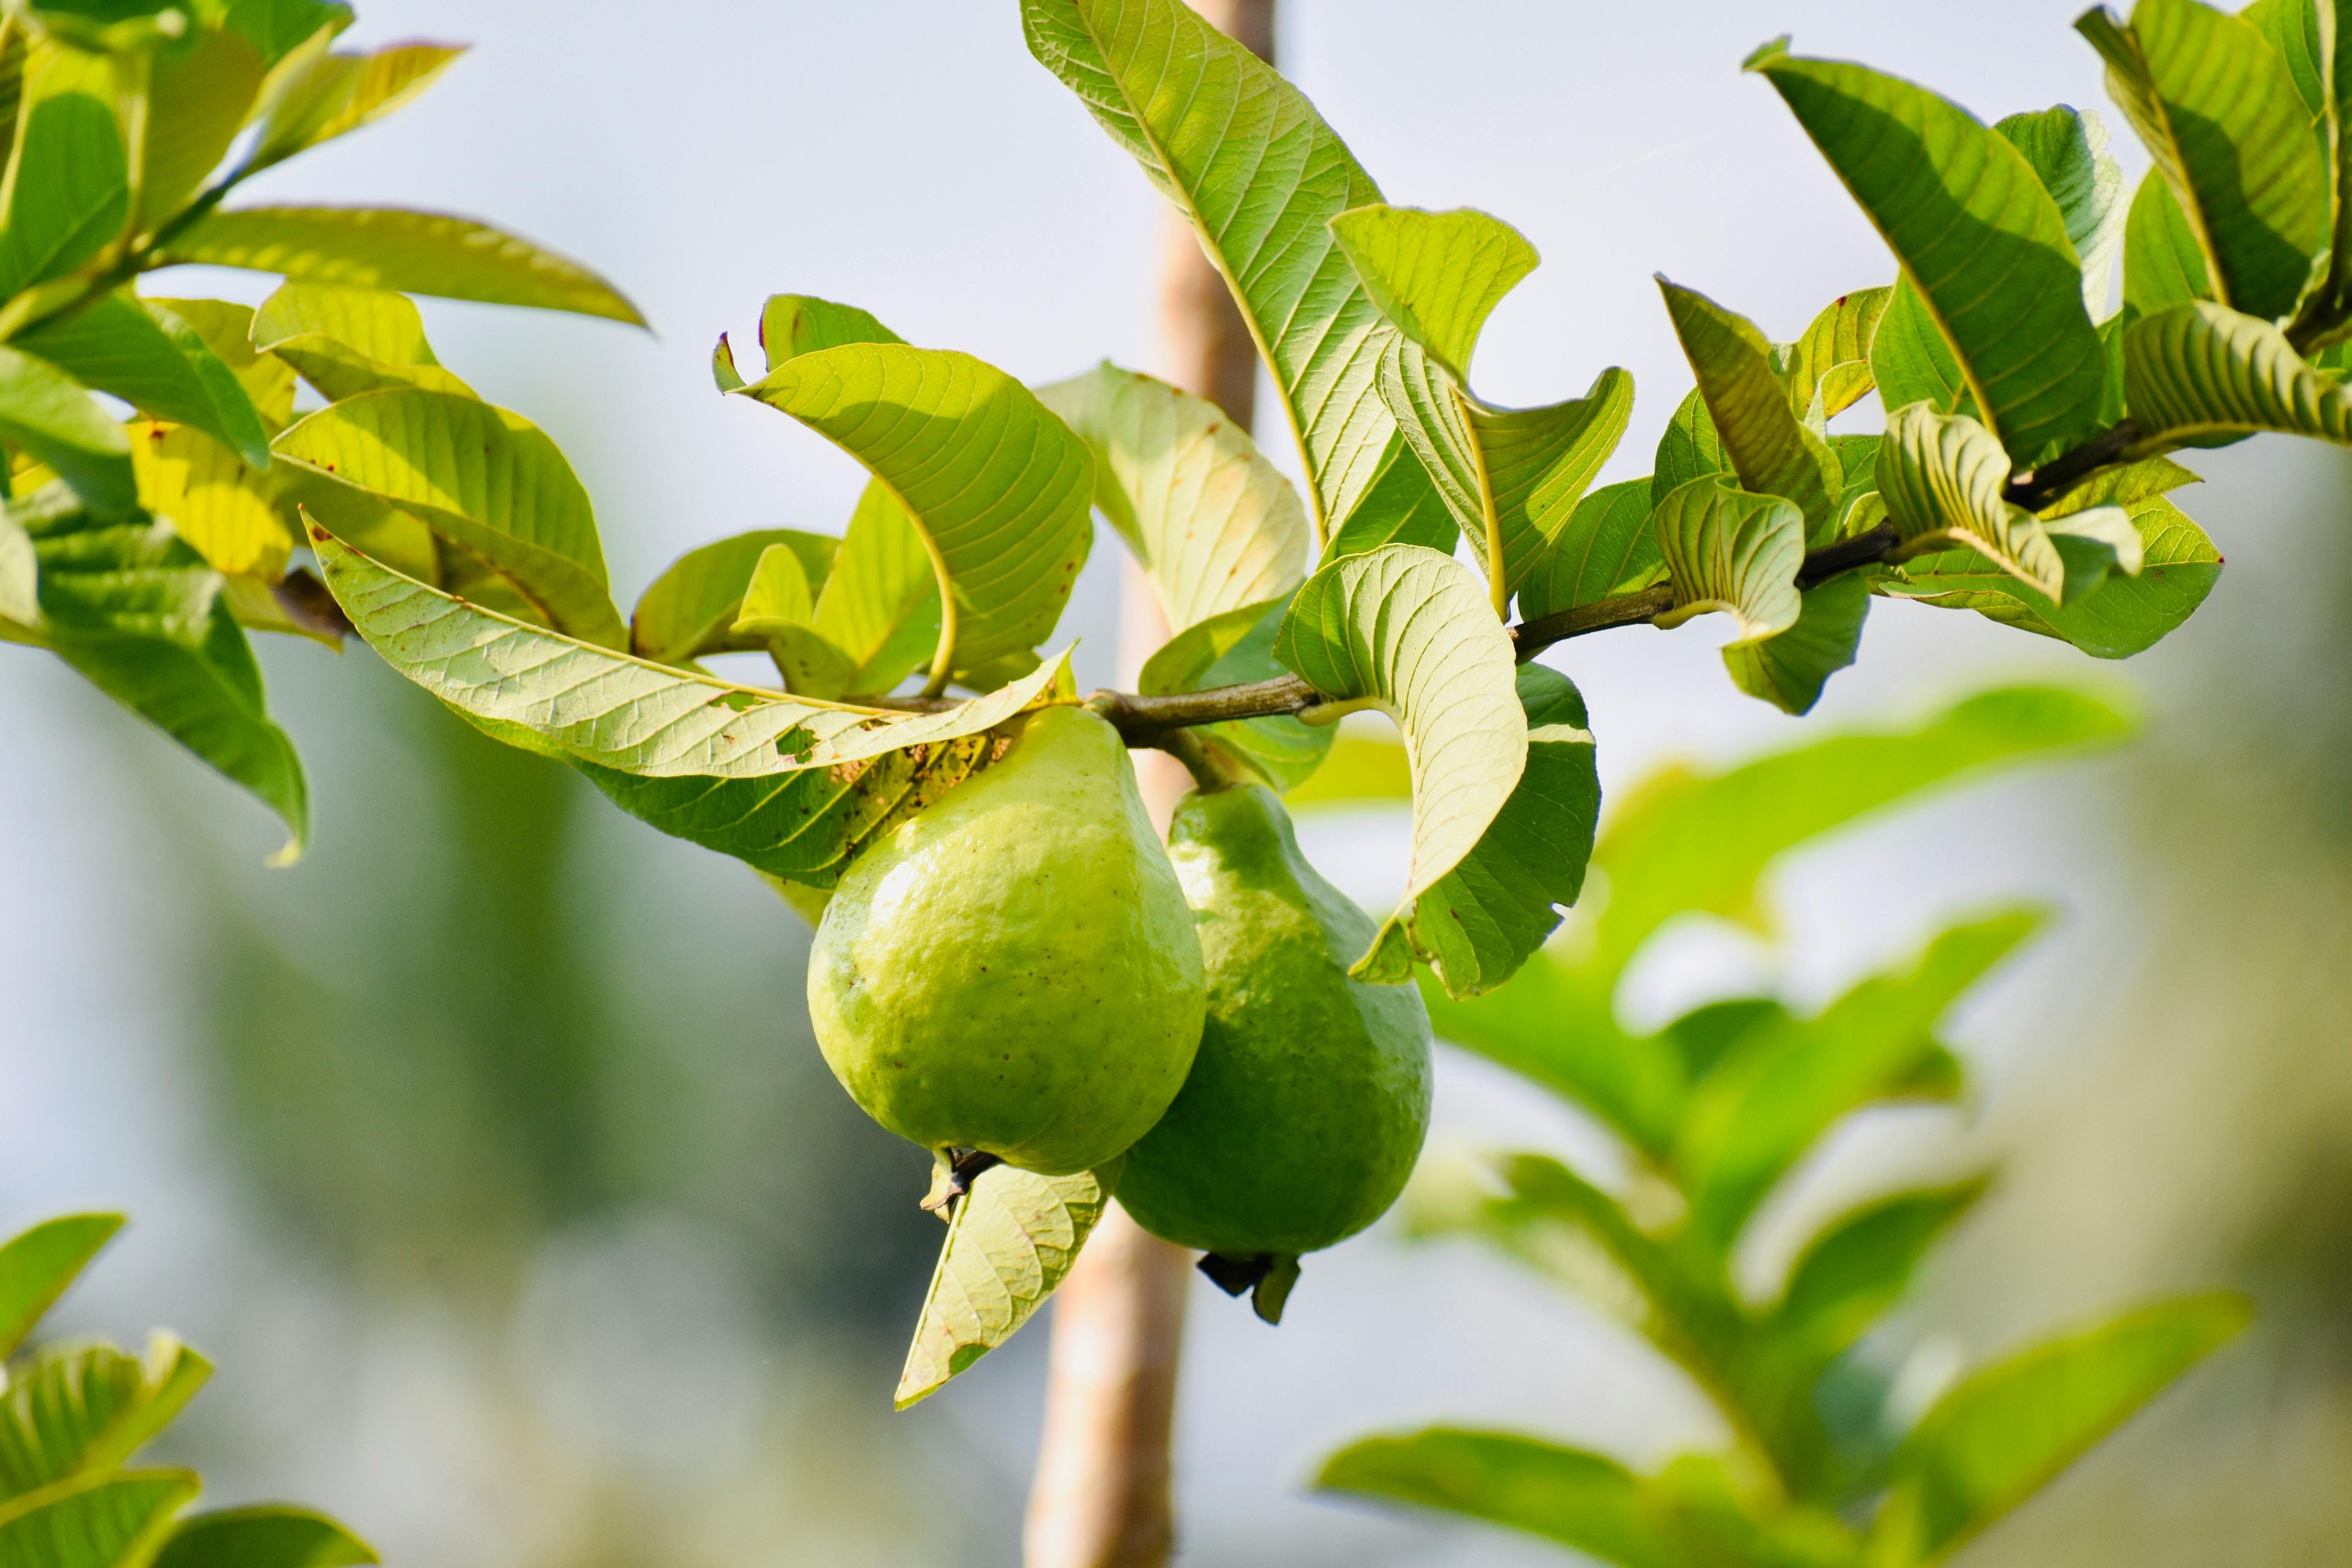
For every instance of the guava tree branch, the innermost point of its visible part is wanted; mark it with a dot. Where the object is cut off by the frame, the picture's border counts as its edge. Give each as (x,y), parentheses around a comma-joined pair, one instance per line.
(2037,487)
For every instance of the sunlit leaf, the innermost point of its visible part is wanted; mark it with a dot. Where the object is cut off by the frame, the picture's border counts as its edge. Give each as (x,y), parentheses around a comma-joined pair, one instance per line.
(278,27)
(1728,549)
(1821,362)
(349,341)
(2203,369)
(268,1535)
(142,353)
(1237,648)
(211,500)
(99,1520)
(1765,443)
(2068,151)
(1910,361)
(47,413)
(336,94)
(2163,265)
(1579,1499)
(1790,667)
(90,1407)
(1606,547)
(1941,478)
(1401,507)
(227,328)
(198,98)
(778,612)
(68,190)
(1437,276)
(881,603)
(690,610)
(37,1265)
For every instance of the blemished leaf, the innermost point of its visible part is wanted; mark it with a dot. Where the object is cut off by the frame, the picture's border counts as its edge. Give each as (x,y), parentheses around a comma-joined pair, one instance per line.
(486,480)
(1408,630)
(2005,1432)
(1000,488)
(89,1408)
(334,95)
(1236,648)
(1729,549)
(1910,361)
(2068,151)
(2163,265)
(98,1521)
(1767,445)
(349,341)
(45,411)
(143,353)
(213,501)
(2229,133)
(1977,236)
(1436,275)
(2203,369)
(2125,616)
(1607,547)
(37,1265)
(1780,1089)
(1214,525)
(1246,158)
(1579,1499)
(778,612)
(139,615)
(1401,507)
(1488,916)
(1855,1271)
(266,1535)
(68,190)
(690,609)
(1941,478)
(1839,337)
(1010,1241)
(410,253)
(1790,669)
(1690,841)
(1690,449)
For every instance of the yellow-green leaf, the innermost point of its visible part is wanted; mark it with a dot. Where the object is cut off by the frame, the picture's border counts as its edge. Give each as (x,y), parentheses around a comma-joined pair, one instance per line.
(1941,478)
(1730,550)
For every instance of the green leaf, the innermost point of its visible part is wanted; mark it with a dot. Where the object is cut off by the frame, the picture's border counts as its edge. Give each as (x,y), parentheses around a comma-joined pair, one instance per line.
(1400,508)
(1855,1271)
(778,612)
(89,1408)
(139,615)
(1010,1241)
(46,411)
(690,610)
(1767,445)
(149,358)
(794,324)
(226,510)
(1554,1028)
(1788,669)
(1690,449)
(1213,525)
(1941,477)
(1237,648)
(268,1534)
(410,253)
(68,188)
(1780,1089)
(1579,1499)
(2228,131)
(1436,275)
(1607,547)
(1691,842)
(2203,369)
(37,1265)
(487,481)
(108,1519)
(1362,769)
(2068,151)
(881,601)
(1823,362)
(998,486)
(278,27)
(1245,157)
(2162,264)
(2292,28)
(1728,549)
(1910,361)
(1540,460)
(198,99)
(1976,234)
(1495,909)
(334,95)
(1408,630)
(349,341)
(2004,1432)
(227,328)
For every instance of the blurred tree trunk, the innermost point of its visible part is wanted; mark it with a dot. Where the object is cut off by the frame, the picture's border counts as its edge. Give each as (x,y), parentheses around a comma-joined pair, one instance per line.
(1100,1498)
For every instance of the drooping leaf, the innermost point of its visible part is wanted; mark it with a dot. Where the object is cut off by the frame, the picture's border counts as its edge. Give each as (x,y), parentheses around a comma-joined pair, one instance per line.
(999,487)
(2228,131)
(1790,669)
(2162,264)
(1579,1499)
(46,411)
(37,1267)
(2005,1432)
(1941,478)
(410,253)
(1214,525)
(68,190)
(483,478)
(689,609)
(268,1534)
(1607,547)
(334,95)
(213,501)
(1767,444)
(2203,369)
(1247,159)
(2068,151)
(1823,362)
(1010,1241)
(99,1520)
(1408,630)
(1496,907)
(146,355)
(90,1407)
(1729,549)
(1977,236)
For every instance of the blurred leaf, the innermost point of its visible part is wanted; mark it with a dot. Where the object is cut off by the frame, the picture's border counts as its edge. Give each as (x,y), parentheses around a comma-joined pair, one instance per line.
(214,502)
(1607,547)
(2163,265)
(1010,1241)
(142,353)
(1941,477)
(689,609)
(1001,488)
(1977,236)
(90,1408)
(1213,525)
(268,1535)
(1728,549)
(1554,1028)
(484,478)
(1494,909)
(277,27)
(198,98)
(102,1520)
(1246,158)
(46,411)
(2068,151)
(1582,1500)
(227,328)
(2006,1431)
(1788,669)
(1839,337)
(1362,768)
(37,1265)
(1401,507)
(2203,369)
(68,190)
(336,94)
(1767,445)
(2292,28)
(411,252)
(1408,630)
(1855,1271)
(2228,131)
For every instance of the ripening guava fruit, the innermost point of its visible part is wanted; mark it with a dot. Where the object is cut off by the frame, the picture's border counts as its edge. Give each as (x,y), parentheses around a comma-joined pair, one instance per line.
(1310,1095)
(1014,968)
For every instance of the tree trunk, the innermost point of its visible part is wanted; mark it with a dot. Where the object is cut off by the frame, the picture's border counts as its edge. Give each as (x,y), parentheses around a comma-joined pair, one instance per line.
(1100,1498)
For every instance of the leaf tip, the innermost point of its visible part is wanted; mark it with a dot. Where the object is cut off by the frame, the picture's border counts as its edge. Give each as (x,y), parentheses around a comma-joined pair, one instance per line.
(1767,55)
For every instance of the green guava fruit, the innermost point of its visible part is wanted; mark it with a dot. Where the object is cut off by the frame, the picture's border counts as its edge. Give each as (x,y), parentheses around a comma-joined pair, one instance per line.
(1014,968)
(1308,1101)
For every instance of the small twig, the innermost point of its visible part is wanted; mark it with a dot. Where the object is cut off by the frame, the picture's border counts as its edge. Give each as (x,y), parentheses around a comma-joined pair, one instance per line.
(1137,716)
(1846,555)
(2037,487)
(1632,609)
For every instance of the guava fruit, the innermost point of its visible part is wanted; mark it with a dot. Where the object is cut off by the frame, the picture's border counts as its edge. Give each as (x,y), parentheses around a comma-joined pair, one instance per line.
(1014,969)
(1310,1095)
